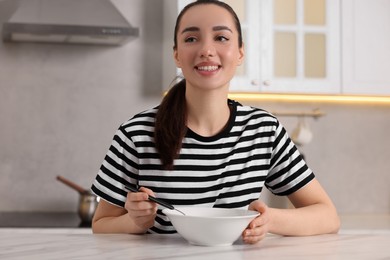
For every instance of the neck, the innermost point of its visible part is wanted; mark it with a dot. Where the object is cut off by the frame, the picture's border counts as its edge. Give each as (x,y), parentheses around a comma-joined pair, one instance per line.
(208,111)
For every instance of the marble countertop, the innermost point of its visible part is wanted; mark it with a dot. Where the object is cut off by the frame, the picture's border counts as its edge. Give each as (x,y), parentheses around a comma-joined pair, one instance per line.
(38,243)
(360,237)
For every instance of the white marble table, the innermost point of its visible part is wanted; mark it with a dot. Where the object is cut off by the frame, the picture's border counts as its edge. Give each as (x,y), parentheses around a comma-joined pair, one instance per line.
(22,243)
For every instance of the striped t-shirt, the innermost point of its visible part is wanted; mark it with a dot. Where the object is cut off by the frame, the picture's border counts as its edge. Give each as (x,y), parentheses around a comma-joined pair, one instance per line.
(227,170)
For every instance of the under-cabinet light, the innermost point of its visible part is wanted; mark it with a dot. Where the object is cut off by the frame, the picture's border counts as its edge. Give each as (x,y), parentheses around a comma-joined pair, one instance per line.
(310,98)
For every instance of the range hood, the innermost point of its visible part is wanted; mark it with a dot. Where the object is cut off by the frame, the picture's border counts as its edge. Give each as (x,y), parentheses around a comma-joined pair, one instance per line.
(68,21)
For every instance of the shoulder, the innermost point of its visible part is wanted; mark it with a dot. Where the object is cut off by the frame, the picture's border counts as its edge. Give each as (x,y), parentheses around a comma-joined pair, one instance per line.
(144,117)
(141,122)
(250,115)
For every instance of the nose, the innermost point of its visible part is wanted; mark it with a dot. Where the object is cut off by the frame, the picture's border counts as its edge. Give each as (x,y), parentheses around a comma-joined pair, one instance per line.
(207,49)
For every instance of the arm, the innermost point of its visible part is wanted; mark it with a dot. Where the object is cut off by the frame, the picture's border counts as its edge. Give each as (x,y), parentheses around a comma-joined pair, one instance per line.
(135,218)
(314,214)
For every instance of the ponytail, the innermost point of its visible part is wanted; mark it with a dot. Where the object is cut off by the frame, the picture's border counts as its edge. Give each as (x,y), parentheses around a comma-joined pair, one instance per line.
(170,124)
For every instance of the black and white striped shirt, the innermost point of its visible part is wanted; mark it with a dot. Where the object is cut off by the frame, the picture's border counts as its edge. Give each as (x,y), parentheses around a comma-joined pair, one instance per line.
(227,170)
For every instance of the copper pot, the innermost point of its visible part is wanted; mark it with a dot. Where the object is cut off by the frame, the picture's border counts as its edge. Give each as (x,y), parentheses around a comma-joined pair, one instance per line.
(87,201)
(87,206)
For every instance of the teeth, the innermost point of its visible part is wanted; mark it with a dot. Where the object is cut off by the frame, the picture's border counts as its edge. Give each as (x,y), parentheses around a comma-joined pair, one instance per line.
(208,68)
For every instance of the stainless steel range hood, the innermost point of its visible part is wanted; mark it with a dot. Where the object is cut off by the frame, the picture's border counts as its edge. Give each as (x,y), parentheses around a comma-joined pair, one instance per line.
(68,21)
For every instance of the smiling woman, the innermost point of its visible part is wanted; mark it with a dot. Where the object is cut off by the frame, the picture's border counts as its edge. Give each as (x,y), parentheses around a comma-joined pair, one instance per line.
(213,51)
(199,148)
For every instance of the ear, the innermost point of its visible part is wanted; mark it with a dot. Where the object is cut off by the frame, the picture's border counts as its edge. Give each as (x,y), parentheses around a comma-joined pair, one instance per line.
(241,55)
(176,58)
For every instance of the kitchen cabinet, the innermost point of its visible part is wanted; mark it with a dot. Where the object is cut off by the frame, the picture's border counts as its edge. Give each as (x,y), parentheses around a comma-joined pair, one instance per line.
(366,47)
(309,46)
(297,49)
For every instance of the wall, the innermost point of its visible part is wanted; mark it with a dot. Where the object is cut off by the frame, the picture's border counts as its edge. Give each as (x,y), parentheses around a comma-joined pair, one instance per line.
(349,153)
(61,104)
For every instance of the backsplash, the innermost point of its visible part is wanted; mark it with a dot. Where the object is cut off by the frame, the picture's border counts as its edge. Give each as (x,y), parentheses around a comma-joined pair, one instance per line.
(60,105)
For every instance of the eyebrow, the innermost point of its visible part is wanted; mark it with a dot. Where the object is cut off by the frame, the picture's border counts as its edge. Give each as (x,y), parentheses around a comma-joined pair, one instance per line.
(215,28)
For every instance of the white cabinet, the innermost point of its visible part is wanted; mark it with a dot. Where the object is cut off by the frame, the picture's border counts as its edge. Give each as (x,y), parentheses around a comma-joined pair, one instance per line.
(294,47)
(366,47)
(305,46)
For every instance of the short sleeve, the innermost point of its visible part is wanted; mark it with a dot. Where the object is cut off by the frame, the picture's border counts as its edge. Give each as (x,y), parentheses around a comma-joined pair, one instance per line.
(119,168)
(289,171)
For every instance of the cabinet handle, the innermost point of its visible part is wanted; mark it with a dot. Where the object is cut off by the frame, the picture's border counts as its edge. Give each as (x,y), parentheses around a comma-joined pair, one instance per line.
(267,83)
(255,82)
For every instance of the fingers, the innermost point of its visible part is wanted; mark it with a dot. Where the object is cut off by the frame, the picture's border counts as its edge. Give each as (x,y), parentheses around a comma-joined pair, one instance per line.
(141,210)
(256,231)
(137,203)
(251,236)
(147,191)
(258,228)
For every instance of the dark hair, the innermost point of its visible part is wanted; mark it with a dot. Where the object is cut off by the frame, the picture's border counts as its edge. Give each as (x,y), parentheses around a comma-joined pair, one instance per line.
(171,117)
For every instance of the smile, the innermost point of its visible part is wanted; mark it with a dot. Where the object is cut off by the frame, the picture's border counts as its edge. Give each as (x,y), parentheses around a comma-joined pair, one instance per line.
(207,68)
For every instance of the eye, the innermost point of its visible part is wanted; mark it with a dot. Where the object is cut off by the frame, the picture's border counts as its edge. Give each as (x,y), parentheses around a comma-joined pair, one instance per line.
(221,38)
(190,39)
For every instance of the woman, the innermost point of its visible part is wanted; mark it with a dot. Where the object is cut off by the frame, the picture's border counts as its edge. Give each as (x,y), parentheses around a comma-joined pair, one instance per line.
(199,148)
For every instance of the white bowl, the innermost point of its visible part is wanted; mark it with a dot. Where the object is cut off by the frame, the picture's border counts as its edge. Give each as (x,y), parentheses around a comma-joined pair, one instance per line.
(210,226)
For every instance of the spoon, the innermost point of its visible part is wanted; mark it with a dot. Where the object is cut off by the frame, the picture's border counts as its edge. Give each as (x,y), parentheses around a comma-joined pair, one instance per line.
(158,201)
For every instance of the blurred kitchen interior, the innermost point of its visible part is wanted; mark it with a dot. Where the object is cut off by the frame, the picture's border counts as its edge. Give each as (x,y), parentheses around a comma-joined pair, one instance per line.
(60,105)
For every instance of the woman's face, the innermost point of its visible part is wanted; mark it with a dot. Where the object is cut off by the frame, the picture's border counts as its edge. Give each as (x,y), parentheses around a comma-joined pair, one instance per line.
(207,47)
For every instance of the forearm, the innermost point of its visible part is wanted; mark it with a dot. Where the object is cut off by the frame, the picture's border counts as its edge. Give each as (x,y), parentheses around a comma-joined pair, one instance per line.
(118,224)
(109,218)
(310,220)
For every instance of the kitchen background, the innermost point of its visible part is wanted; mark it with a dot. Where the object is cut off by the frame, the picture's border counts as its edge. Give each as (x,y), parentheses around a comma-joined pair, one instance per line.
(61,104)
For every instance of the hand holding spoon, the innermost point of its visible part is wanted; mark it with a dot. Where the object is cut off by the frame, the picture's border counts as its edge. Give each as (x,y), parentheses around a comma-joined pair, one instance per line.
(156,200)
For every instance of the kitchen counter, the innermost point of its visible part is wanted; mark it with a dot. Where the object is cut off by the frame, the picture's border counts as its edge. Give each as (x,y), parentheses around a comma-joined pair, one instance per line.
(47,243)
(360,237)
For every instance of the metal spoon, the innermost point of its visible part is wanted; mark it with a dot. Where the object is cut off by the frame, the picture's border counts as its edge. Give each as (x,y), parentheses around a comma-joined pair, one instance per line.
(158,201)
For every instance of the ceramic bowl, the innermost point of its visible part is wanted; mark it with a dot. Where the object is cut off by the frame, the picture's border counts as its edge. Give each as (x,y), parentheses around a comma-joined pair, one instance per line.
(210,226)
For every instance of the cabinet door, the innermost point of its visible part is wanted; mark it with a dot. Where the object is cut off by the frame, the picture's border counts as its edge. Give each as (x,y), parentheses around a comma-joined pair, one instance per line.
(303,48)
(366,47)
